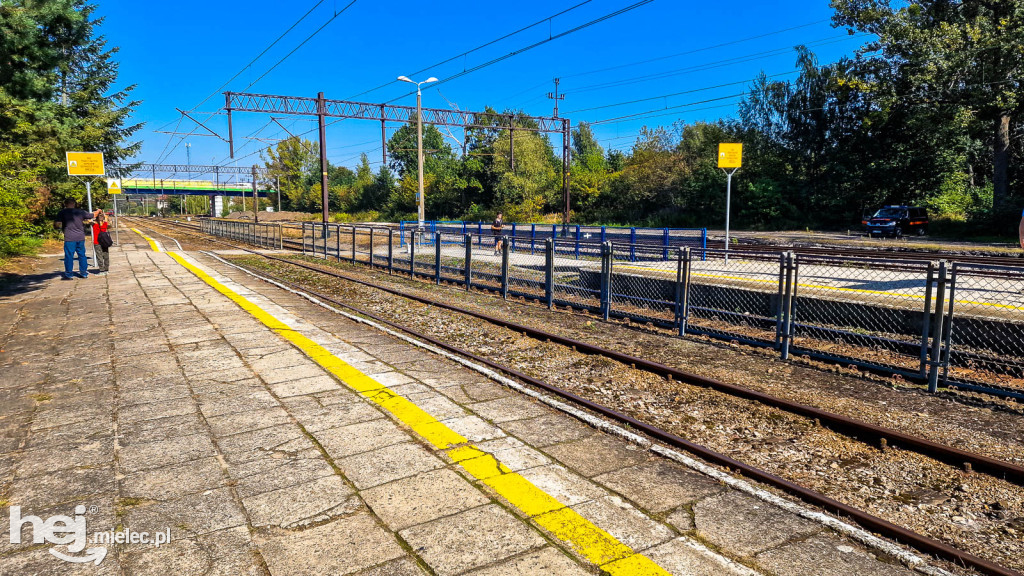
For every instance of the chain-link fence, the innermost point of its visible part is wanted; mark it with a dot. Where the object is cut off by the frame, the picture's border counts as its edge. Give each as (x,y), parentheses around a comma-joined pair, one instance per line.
(736,295)
(644,285)
(985,326)
(962,325)
(871,311)
(527,270)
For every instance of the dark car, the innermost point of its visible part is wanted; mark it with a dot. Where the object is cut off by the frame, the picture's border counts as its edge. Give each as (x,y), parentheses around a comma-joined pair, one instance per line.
(897,220)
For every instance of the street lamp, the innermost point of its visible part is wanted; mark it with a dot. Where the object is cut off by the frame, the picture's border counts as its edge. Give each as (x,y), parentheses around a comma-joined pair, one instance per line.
(419,140)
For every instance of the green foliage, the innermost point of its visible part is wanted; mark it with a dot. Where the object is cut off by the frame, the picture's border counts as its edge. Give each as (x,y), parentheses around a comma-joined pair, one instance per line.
(57,95)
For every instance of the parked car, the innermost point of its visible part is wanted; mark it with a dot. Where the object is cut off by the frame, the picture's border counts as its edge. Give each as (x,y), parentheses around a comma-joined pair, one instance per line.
(896,221)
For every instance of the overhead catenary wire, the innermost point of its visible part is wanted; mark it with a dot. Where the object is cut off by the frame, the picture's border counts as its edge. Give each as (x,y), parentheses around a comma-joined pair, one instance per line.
(286,56)
(553,37)
(709,65)
(693,51)
(258,56)
(480,47)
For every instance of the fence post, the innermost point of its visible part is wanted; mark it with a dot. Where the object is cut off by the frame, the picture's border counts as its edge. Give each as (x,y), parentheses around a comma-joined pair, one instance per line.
(303,238)
(606,279)
(533,237)
(632,244)
(664,243)
(337,243)
(513,236)
(549,272)
(353,244)
(468,261)
(926,319)
(937,334)
(577,241)
(412,254)
(401,233)
(391,250)
(504,267)
(371,247)
(682,289)
(791,267)
(437,258)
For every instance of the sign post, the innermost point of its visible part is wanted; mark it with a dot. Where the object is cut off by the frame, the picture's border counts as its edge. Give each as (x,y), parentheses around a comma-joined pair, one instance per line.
(114,189)
(86,164)
(730,158)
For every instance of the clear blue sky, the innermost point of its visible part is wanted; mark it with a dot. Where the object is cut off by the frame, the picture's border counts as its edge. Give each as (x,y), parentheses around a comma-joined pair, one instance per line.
(177,54)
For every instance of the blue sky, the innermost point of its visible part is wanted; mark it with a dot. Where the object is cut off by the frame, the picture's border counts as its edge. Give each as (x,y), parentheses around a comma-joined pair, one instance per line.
(178,54)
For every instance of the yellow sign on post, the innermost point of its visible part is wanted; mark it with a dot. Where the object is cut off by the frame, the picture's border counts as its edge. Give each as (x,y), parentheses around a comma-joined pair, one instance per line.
(113,185)
(730,155)
(85,164)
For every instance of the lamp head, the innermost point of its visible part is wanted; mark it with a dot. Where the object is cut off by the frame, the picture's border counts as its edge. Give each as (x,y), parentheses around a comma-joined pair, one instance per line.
(404,79)
(431,79)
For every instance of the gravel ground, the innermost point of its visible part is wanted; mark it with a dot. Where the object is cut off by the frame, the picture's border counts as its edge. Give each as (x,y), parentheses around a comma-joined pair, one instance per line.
(973,512)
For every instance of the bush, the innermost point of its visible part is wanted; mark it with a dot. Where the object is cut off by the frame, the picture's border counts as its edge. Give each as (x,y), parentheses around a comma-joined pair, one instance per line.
(11,246)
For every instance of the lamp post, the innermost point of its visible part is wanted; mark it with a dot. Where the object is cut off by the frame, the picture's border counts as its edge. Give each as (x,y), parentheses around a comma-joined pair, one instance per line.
(419,140)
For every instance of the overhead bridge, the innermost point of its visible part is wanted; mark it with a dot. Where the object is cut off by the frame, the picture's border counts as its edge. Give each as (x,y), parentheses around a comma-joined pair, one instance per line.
(190,188)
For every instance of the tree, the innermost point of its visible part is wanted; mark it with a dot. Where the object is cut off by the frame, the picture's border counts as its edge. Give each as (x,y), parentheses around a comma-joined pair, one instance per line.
(296,165)
(56,89)
(949,53)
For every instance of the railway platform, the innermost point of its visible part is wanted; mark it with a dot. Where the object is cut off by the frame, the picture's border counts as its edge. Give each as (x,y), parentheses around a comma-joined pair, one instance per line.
(258,433)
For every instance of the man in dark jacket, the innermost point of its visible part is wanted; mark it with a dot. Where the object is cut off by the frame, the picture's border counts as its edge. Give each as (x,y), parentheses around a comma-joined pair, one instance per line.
(72,221)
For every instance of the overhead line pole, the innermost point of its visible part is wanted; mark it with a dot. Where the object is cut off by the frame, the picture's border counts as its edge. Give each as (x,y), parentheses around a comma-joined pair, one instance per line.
(321,116)
(323,108)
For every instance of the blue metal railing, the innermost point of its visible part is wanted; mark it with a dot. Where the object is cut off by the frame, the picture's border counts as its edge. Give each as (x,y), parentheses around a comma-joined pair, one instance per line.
(574,239)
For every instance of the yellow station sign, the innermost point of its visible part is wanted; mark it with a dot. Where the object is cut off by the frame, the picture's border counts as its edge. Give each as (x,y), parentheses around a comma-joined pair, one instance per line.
(730,155)
(85,163)
(113,185)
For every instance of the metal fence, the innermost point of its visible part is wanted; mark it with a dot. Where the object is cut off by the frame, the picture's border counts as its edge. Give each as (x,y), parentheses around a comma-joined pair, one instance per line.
(946,325)
(264,235)
(532,236)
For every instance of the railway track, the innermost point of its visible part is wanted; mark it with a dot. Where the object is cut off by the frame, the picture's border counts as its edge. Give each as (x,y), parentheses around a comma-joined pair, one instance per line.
(862,431)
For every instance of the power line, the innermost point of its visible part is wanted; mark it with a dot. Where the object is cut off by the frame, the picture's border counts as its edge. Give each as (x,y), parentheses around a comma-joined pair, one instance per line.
(695,50)
(688,104)
(708,65)
(480,47)
(286,56)
(678,93)
(301,44)
(532,46)
(258,56)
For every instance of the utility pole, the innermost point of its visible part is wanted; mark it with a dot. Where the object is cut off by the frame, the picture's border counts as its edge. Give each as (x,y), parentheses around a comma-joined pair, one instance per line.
(554,96)
(321,115)
(255,202)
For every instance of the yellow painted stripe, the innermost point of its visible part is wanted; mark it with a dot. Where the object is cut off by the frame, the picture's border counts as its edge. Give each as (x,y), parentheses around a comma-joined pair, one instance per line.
(152,243)
(588,540)
(820,287)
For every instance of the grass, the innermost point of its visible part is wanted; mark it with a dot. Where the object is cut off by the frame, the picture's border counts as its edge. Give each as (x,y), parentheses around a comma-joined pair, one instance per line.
(42,397)
(19,246)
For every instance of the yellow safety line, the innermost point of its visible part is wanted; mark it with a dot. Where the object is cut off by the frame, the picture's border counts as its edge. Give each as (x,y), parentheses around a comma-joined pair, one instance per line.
(819,287)
(152,243)
(564,523)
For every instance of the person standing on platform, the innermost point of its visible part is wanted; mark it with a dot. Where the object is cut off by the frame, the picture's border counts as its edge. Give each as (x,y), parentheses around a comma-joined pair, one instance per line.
(102,248)
(1020,231)
(72,221)
(496,227)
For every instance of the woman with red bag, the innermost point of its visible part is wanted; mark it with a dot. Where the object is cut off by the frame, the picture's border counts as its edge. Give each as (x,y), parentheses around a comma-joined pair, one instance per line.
(102,245)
